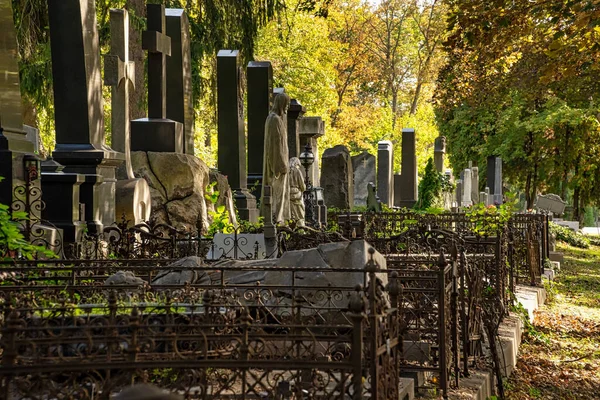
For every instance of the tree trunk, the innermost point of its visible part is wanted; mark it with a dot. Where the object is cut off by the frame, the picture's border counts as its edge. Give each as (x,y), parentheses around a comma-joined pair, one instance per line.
(137,100)
(415,102)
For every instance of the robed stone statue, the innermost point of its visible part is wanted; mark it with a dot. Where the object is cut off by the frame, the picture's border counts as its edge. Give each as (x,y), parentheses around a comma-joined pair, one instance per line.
(276,156)
(297,188)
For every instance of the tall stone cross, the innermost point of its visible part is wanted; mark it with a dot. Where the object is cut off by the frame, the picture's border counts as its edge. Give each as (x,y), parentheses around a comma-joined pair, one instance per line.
(119,73)
(158,45)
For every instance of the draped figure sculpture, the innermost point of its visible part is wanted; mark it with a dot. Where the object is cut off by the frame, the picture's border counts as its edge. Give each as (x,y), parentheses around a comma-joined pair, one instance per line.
(276,156)
(297,188)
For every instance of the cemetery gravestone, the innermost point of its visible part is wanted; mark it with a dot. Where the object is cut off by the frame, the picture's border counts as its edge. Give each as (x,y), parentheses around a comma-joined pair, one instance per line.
(337,178)
(466,179)
(78,108)
(494,178)
(232,141)
(295,112)
(309,130)
(385,172)
(474,184)
(439,151)
(133,201)
(14,143)
(179,99)
(364,173)
(157,133)
(260,99)
(459,192)
(406,187)
(551,203)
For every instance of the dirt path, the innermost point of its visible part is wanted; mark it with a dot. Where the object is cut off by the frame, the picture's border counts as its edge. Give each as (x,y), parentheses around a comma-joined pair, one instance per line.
(560,357)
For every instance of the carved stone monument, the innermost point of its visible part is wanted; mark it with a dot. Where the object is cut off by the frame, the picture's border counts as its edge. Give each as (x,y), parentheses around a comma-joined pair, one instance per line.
(232,140)
(260,98)
(406,185)
(364,173)
(80,145)
(133,201)
(337,178)
(157,133)
(180,105)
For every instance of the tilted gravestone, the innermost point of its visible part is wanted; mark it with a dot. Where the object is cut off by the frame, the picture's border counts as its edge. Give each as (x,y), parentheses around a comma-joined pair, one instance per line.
(80,145)
(295,113)
(232,140)
(133,201)
(157,133)
(406,185)
(551,203)
(14,144)
(385,172)
(260,98)
(180,105)
(337,178)
(364,173)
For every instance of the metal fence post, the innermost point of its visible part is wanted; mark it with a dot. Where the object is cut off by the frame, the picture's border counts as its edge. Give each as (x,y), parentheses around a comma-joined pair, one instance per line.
(356,307)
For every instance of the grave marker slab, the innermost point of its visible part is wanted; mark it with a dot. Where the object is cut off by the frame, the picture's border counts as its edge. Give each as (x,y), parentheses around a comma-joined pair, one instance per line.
(180,106)
(494,178)
(385,172)
(337,178)
(231,137)
(406,185)
(364,173)
(439,152)
(260,99)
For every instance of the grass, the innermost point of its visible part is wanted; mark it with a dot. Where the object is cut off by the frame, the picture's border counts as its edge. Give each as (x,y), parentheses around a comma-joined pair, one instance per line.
(560,357)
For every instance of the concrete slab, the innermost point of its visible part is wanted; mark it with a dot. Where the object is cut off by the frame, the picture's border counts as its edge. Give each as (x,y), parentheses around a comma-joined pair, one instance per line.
(407,389)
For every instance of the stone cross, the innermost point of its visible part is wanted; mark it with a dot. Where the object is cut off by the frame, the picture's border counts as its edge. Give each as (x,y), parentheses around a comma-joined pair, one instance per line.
(119,73)
(158,45)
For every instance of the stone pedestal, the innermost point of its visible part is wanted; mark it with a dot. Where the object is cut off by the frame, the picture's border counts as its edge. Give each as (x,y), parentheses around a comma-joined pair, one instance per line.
(133,201)
(158,135)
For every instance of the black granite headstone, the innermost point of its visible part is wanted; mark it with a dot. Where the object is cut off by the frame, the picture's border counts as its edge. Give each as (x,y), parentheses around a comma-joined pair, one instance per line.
(78,107)
(156,133)
(180,105)
(232,141)
(406,185)
(494,178)
(295,112)
(259,76)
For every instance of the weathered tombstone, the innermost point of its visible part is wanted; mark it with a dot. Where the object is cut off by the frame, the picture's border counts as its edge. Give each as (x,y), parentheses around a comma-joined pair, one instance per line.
(157,133)
(385,172)
(14,143)
(259,77)
(337,178)
(232,141)
(439,151)
(309,130)
(488,197)
(550,203)
(33,135)
(77,84)
(295,112)
(406,185)
(364,172)
(474,184)
(494,178)
(466,188)
(459,192)
(180,106)
(133,201)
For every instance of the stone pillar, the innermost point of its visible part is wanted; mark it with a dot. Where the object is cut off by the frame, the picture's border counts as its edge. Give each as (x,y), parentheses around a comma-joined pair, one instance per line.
(337,178)
(180,103)
(232,140)
(13,143)
(385,172)
(157,133)
(295,112)
(270,230)
(474,184)
(439,152)
(80,145)
(259,77)
(494,178)
(309,130)
(364,173)
(466,188)
(407,191)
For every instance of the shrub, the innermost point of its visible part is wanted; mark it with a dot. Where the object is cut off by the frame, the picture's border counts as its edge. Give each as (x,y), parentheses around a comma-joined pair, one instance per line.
(566,235)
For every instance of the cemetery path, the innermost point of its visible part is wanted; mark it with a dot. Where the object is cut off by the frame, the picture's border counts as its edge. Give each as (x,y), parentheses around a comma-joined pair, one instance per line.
(560,356)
